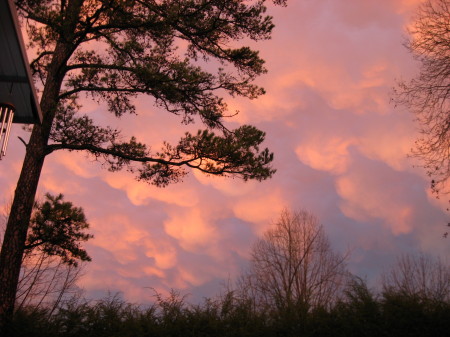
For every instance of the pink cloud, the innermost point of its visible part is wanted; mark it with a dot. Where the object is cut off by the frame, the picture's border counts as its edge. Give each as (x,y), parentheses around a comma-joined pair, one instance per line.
(363,200)
(330,155)
(193,230)
(260,208)
(140,193)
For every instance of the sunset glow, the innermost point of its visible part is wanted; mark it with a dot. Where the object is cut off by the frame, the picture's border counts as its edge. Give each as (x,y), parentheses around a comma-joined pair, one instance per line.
(341,152)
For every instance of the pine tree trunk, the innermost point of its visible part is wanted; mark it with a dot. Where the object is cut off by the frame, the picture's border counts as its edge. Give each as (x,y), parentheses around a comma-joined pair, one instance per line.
(20,214)
(17,226)
(22,206)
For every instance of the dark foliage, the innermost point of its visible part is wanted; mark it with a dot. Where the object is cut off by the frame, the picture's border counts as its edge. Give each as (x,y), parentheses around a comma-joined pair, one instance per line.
(360,313)
(138,52)
(58,229)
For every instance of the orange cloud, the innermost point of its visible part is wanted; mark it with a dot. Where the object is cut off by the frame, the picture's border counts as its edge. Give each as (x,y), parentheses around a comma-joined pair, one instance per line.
(117,229)
(363,201)
(190,277)
(227,186)
(326,154)
(391,147)
(192,228)
(141,193)
(152,271)
(76,162)
(260,209)
(164,254)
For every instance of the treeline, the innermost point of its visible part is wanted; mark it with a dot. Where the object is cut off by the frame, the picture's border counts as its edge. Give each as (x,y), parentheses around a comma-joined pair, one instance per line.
(296,285)
(358,313)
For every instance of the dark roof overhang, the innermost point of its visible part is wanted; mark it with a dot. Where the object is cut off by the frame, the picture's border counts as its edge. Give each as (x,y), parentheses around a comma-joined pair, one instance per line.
(16,83)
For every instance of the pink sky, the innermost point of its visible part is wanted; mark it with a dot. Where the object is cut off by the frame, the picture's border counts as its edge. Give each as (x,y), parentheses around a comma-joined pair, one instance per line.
(340,151)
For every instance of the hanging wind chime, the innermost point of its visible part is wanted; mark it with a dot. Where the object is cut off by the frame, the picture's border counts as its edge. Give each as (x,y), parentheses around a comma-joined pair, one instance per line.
(6,117)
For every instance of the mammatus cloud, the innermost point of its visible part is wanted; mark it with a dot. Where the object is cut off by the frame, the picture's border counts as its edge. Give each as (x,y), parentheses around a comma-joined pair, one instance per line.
(340,150)
(329,155)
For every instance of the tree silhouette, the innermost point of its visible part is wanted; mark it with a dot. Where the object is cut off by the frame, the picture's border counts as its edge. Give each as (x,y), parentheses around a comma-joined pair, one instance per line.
(54,256)
(293,267)
(419,276)
(428,94)
(116,50)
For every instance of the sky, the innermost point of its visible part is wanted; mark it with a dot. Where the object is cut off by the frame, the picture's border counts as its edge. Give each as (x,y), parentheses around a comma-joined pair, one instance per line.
(341,152)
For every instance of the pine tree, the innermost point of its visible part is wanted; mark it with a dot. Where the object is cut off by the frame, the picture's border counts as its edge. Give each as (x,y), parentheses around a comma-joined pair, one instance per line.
(116,50)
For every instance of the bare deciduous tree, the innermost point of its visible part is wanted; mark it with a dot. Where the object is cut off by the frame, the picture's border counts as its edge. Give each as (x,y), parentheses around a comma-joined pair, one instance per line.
(419,276)
(428,95)
(45,281)
(293,265)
